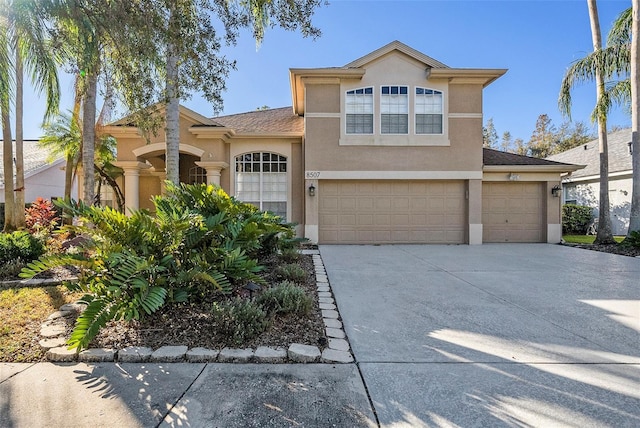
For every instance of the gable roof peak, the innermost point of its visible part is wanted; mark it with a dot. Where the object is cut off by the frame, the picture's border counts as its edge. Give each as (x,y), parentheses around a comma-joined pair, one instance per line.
(400,47)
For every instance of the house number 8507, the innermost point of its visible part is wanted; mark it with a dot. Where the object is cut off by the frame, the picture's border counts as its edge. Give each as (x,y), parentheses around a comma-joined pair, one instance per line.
(312,174)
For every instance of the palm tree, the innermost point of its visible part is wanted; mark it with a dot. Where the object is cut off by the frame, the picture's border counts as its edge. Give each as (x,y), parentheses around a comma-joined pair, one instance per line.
(604,235)
(63,137)
(24,35)
(80,43)
(34,55)
(617,60)
(634,217)
(6,87)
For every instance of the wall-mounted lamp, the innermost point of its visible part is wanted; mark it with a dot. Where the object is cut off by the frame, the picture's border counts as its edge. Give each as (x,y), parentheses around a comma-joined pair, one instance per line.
(312,190)
(630,144)
(514,177)
(555,190)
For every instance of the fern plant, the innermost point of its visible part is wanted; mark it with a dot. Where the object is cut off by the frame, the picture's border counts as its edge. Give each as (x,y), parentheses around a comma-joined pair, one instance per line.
(199,242)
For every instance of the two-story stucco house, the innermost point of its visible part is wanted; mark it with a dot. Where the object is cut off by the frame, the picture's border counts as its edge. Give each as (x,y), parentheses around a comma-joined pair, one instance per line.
(387,149)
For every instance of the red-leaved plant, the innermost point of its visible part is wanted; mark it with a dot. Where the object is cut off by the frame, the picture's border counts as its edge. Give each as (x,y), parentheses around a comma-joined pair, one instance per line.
(41,216)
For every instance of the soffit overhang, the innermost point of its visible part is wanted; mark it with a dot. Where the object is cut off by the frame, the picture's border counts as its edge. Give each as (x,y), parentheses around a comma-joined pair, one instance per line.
(298,77)
(476,76)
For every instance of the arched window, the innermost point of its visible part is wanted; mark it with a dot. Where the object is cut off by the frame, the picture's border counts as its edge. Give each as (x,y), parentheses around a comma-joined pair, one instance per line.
(261,179)
(197,175)
(428,110)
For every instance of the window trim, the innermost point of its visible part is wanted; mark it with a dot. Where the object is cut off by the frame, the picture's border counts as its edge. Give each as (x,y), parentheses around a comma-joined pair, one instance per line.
(373,110)
(411,139)
(261,189)
(415,114)
(381,95)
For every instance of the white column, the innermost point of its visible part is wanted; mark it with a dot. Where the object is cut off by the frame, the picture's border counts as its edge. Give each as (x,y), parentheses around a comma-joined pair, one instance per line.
(213,170)
(132,183)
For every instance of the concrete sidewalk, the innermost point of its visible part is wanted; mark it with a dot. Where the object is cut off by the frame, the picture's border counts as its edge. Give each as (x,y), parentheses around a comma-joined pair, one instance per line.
(492,335)
(182,395)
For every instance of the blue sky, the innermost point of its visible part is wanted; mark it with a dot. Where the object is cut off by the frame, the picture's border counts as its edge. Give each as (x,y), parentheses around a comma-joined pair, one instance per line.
(535,40)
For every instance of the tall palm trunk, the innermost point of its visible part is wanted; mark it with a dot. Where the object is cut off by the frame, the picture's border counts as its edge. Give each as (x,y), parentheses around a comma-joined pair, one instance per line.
(20,185)
(89,138)
(7,153)
(172,130)
(604,235)
(634,220)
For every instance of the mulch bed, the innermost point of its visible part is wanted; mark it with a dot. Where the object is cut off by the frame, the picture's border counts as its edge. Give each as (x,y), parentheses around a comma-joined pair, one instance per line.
(190,324)
(622,250)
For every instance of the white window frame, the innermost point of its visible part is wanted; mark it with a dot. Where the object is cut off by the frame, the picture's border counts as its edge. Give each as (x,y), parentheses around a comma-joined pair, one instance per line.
(384,106)
(239,163)
(362,105)
(415,109)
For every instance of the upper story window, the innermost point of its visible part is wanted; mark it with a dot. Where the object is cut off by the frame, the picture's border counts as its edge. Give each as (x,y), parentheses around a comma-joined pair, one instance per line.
(394,110)
(359,111)
(428,110)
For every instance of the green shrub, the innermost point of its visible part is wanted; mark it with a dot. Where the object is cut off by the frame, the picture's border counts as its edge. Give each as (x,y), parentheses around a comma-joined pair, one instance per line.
(291,272)
(633,240)
(289,255)
(239,320)
(19,245)
(11,269)
(285,298)
(199,243)
(576,219)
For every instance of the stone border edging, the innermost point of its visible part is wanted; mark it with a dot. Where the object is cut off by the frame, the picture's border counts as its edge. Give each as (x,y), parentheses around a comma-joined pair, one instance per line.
(33,282)
(337,351)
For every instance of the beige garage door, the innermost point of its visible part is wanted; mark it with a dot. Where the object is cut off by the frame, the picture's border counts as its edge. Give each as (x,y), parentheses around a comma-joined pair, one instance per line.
(513,212)
(391,211)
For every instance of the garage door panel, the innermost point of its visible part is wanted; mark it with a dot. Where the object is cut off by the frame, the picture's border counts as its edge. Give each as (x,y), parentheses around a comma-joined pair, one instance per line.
(513,212)
(388,211)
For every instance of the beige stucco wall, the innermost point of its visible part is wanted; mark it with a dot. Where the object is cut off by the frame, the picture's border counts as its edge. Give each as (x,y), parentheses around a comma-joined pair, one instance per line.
(322,98)
(328,148)
(465,98)
(213,148)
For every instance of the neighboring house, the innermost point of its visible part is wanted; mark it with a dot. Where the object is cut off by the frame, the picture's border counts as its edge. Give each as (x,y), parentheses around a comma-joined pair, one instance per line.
(387,149)
(583,187)
(41,178)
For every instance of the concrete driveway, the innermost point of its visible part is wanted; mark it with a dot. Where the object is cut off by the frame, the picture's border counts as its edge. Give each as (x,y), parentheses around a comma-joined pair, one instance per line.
(492,335)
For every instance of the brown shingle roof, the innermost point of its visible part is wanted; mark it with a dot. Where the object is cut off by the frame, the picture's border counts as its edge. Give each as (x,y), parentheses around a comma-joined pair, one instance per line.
(276,120)
(491,157)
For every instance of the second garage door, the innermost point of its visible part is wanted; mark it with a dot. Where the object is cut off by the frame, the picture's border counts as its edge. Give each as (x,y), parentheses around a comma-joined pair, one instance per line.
(391,211)
(513,212)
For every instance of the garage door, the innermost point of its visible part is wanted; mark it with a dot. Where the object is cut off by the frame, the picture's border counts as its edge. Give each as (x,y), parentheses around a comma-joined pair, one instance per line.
(391,211)
(513,212)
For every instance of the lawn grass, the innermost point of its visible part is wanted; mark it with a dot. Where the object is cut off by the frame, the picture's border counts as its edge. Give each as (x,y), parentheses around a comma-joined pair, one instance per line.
(22,311)
(586,239)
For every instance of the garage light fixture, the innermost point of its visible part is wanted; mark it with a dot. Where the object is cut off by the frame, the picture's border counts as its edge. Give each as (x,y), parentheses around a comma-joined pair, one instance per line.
(312,190)
(555,190)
